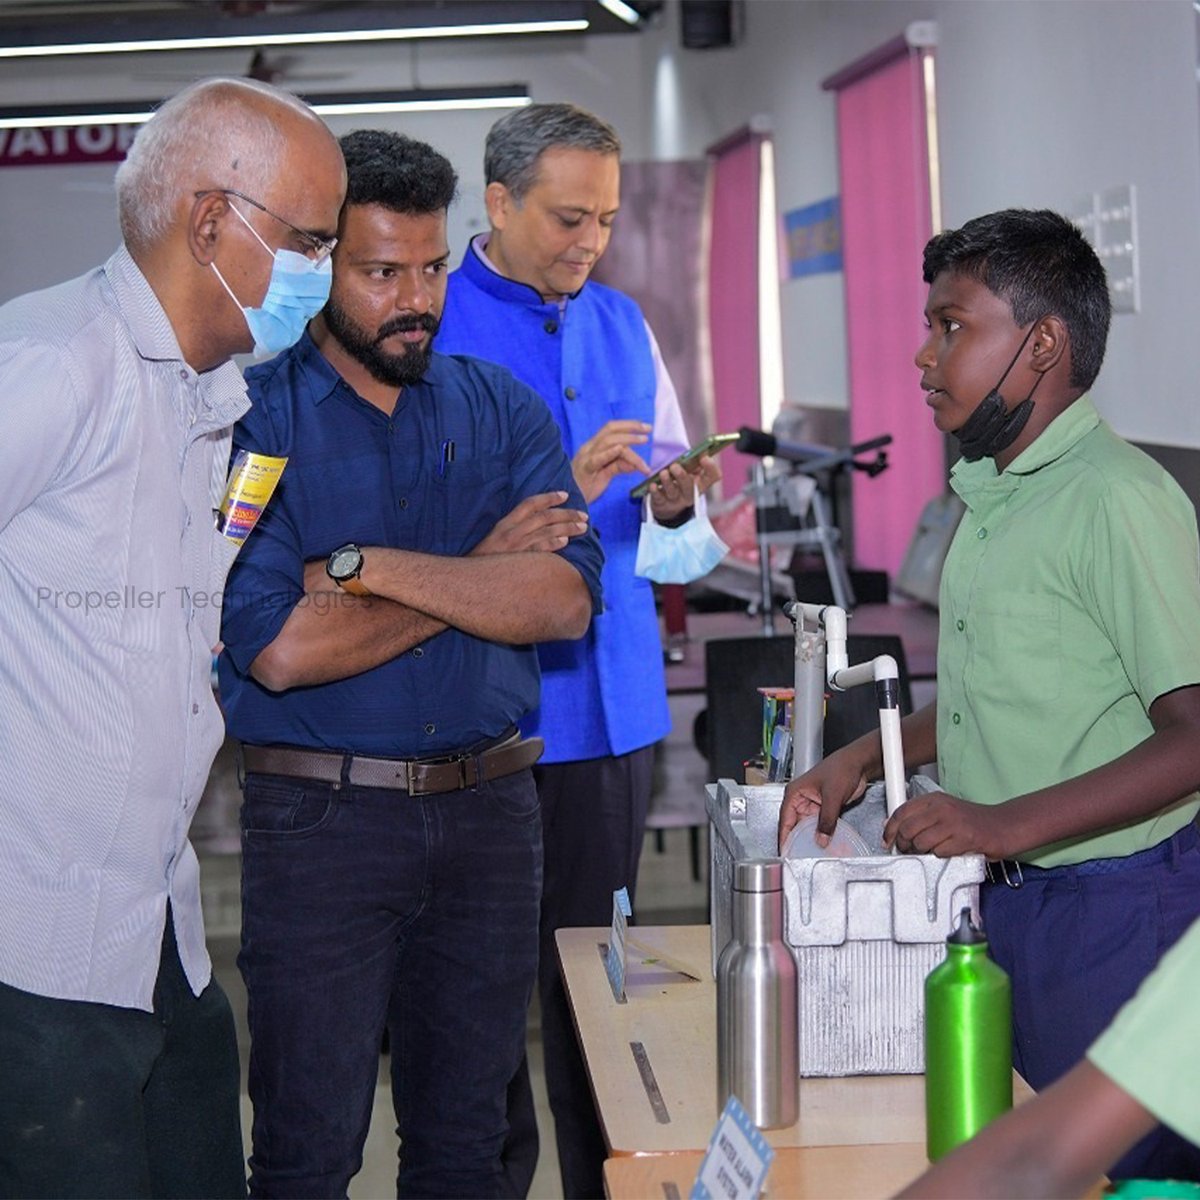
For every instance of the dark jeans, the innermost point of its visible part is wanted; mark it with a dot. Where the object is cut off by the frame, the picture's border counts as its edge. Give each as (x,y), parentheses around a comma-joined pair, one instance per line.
(1076,943)
(100,1101)
(593,823)
(366,908)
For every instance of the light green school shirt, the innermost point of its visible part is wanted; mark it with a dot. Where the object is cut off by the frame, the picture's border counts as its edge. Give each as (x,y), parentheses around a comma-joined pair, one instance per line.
(1151,1048)
(1070,601)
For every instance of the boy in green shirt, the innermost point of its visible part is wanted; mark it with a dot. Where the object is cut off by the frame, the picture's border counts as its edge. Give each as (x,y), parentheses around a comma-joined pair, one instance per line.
(1067,722)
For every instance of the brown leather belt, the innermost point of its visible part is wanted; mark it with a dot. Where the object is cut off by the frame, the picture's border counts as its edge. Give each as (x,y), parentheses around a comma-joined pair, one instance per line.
(417,776)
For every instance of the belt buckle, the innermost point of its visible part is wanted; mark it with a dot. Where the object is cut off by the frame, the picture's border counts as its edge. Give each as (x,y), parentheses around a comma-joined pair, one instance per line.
(1002,865)
(463,781)
(418,772)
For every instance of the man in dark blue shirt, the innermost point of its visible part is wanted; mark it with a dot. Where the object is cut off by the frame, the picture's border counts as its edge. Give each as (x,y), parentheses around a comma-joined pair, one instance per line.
(379,631)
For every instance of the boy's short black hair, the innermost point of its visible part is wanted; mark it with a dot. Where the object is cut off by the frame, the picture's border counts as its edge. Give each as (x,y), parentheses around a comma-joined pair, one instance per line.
(1041,265)
(396,172)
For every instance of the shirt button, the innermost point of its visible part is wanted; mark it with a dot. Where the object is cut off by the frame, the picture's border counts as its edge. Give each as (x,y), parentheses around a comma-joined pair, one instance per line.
(551,327)
(981,534)
(403,501)
(960,625)
(956,719)
(569,393)
(431,728)
(183,375)
(195,709)
(418,653)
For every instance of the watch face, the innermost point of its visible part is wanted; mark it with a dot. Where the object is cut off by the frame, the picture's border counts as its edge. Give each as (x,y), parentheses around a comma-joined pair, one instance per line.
(344,562)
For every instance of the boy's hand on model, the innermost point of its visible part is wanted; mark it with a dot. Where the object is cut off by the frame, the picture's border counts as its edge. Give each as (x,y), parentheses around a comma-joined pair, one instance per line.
(944,825)
(826,789)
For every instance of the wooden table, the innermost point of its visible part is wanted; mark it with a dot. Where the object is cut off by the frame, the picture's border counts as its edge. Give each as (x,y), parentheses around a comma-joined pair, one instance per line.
(652,1063)
(828,1172)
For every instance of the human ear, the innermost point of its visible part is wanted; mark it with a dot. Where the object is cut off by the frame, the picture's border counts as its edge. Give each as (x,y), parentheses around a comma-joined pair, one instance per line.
(499,200)
(1049,344)
(203,226)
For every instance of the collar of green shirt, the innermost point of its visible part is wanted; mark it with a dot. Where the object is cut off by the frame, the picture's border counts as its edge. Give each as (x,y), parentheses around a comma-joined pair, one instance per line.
(1065,431)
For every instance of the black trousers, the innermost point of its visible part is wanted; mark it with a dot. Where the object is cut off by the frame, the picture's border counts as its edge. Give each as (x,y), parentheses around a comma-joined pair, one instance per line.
(100,1101)
(593,824)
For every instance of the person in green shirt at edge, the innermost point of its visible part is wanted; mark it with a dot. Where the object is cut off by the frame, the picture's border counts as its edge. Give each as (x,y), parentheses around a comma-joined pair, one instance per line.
(1145,1068)
(1066,728)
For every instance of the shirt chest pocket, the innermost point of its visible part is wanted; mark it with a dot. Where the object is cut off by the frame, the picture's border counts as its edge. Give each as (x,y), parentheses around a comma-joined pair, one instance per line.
(466,499)
(1018,656)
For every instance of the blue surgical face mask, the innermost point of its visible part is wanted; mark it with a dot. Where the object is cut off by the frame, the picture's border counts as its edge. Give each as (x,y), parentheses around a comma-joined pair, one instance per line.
(679,555)
(298,290)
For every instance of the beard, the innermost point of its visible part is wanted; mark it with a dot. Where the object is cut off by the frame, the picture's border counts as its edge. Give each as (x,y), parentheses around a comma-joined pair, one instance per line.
(397,370)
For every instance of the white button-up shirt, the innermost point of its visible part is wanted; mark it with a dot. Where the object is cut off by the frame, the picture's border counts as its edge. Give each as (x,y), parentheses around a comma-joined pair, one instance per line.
(113,452)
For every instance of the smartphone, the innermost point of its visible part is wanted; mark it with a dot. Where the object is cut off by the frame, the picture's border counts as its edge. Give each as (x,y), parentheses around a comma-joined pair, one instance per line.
(710,445)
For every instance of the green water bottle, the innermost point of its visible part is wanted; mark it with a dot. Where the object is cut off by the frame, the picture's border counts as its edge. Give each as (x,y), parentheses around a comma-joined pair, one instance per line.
(968,1041)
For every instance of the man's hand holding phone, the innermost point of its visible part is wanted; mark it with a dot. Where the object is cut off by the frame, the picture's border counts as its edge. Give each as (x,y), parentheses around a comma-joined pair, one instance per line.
(672,488)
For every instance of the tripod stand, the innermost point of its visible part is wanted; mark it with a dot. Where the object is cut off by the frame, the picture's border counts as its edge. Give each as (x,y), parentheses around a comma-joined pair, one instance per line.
(792,508)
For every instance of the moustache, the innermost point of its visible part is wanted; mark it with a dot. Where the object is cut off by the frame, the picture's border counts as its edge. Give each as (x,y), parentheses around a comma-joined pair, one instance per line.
(425,321)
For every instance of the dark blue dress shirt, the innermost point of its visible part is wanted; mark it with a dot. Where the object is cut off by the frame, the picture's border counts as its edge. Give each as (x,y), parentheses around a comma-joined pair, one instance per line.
(463,447)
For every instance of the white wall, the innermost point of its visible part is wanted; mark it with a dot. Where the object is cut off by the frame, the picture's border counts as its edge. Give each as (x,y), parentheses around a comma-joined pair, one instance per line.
(1039,103)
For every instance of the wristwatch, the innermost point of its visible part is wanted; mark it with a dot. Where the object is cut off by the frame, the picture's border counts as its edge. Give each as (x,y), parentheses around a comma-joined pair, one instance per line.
(344,568)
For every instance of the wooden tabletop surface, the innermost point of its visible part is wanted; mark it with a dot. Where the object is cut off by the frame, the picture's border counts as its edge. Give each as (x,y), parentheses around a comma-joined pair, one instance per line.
(652,1060)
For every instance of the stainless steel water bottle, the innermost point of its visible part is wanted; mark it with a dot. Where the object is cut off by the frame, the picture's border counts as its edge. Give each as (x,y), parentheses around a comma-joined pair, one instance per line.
(968,1041)
(757,1019)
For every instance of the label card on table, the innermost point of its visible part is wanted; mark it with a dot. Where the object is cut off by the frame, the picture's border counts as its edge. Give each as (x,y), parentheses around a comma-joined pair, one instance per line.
(737,1159)
(614,960)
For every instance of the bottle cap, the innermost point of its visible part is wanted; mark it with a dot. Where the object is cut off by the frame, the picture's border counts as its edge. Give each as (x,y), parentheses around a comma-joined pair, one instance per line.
(967,933)
(758,875)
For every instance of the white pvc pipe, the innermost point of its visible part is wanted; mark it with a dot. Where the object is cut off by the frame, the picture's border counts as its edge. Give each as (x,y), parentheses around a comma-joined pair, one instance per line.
(889,733)
(834,620)
(882,670)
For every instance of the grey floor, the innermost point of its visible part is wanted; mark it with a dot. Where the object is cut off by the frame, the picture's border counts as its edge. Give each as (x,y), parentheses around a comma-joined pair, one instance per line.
(667,891)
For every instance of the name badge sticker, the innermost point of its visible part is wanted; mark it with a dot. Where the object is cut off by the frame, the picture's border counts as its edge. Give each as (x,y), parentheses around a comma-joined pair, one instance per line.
(737,1159)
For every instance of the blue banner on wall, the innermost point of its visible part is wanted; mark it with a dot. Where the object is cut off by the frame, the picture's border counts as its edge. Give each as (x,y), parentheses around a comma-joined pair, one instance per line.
(814,238)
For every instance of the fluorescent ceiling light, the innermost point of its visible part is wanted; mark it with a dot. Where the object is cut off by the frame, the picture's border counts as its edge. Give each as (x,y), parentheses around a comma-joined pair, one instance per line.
(338,104)
(295,39)
(619,8)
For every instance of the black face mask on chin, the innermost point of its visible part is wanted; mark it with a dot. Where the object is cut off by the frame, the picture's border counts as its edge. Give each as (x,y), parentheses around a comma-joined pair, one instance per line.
(991,428)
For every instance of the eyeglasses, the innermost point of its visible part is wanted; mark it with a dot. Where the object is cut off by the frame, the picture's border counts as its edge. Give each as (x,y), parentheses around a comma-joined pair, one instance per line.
(316,248)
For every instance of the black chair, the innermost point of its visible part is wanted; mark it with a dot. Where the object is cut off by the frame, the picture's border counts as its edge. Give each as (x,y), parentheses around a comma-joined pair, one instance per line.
(734,668)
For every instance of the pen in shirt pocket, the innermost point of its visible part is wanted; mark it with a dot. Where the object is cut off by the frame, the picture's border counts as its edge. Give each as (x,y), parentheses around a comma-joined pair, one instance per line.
(447,457)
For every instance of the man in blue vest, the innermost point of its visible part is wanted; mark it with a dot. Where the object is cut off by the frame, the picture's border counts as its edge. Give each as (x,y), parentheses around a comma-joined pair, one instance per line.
(519,298)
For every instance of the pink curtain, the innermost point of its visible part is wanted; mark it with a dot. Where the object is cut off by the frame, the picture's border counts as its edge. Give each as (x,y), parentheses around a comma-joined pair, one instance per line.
(733,294)
(886,223)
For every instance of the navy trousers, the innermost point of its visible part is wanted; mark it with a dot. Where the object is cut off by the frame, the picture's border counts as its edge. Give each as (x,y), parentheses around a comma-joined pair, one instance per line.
(100,1101)
(1076,943)
(593,825)
(366,908)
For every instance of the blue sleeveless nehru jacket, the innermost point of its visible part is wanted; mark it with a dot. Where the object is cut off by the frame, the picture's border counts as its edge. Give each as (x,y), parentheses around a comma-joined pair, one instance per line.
(591,362)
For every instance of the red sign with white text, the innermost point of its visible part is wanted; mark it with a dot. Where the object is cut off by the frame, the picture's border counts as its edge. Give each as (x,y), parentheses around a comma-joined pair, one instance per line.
(50,145)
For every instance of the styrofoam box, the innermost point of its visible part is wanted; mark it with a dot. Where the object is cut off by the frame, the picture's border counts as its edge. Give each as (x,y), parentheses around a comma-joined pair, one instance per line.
(865,931)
